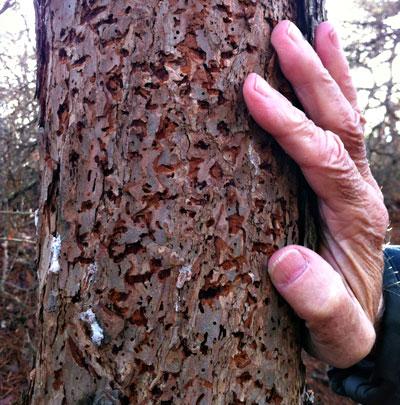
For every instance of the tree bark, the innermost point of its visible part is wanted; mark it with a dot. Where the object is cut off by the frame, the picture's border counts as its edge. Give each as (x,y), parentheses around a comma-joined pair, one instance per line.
(161,202)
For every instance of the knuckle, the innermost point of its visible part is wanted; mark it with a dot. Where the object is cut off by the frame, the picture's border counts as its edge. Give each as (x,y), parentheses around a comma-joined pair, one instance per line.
(347,85)
(365,171)
(354,123)
(370,217)
(308,130)
(300,123)
(375,206)
(316,74)
(353,134)
(379,217)
(341,168)
(384,216)
(325,76)
(335,151)
(347,80)
(386,219)
(305,135)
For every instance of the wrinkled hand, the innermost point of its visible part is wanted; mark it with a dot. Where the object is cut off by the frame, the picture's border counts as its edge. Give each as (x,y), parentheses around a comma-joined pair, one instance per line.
(338,291)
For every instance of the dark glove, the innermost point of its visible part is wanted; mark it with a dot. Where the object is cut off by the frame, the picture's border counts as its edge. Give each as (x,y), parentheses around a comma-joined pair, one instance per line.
(376,379)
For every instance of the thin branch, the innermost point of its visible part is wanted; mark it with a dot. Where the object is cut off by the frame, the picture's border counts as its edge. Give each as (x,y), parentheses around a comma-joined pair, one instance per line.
(19,240)
(16,287)
(17,193)
(7,4)
(14,297)
(28,213)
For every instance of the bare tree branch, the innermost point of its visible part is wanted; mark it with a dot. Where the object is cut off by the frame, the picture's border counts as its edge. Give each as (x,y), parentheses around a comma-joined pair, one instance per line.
(27,213)
(18,240)
(7,4)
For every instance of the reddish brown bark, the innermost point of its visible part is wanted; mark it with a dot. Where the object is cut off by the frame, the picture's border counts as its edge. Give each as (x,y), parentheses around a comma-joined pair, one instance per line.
(166,201)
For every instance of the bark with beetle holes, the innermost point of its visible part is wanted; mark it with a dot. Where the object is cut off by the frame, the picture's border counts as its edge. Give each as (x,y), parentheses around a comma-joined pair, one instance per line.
(161,202)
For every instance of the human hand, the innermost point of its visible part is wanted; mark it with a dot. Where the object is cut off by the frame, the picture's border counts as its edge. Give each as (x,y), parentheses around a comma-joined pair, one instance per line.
(338,291)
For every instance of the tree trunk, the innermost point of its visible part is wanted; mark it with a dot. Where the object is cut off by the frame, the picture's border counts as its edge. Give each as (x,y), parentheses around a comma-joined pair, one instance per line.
(161,202)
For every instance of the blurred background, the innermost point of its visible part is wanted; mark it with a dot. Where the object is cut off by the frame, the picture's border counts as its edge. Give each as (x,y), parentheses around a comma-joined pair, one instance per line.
(370,32)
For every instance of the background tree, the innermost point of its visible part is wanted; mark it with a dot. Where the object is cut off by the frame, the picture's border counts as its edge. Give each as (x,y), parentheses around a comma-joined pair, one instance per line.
(19,189)
(373,48)
(160,204)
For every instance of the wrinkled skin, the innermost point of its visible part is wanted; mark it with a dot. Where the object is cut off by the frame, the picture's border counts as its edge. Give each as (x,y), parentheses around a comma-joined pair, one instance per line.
(337,291)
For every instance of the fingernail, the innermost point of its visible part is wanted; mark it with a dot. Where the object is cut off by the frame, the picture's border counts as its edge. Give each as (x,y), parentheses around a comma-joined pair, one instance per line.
(295,33)
(333,36)
(262,87)
(287,267)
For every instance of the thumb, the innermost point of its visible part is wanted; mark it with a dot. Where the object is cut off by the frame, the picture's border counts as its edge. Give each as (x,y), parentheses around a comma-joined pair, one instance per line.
(340,333)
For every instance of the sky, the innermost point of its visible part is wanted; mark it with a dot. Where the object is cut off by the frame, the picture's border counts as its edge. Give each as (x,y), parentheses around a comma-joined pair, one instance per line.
(340,11)
(11,21)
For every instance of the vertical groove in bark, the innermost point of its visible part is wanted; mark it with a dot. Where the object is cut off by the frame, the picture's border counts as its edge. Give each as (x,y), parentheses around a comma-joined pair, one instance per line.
(167,201)
(310,14)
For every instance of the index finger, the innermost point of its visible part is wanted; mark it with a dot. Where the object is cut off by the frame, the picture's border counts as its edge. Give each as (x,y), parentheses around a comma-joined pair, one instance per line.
(321,155)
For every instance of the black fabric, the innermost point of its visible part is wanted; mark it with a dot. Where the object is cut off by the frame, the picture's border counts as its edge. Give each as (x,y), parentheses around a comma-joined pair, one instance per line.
(376,379)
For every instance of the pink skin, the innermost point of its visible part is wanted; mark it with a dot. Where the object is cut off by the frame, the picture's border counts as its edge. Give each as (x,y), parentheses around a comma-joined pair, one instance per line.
(337,292)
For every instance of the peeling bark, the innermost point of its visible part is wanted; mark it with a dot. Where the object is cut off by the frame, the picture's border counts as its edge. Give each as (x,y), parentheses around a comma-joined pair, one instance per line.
(168,201)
